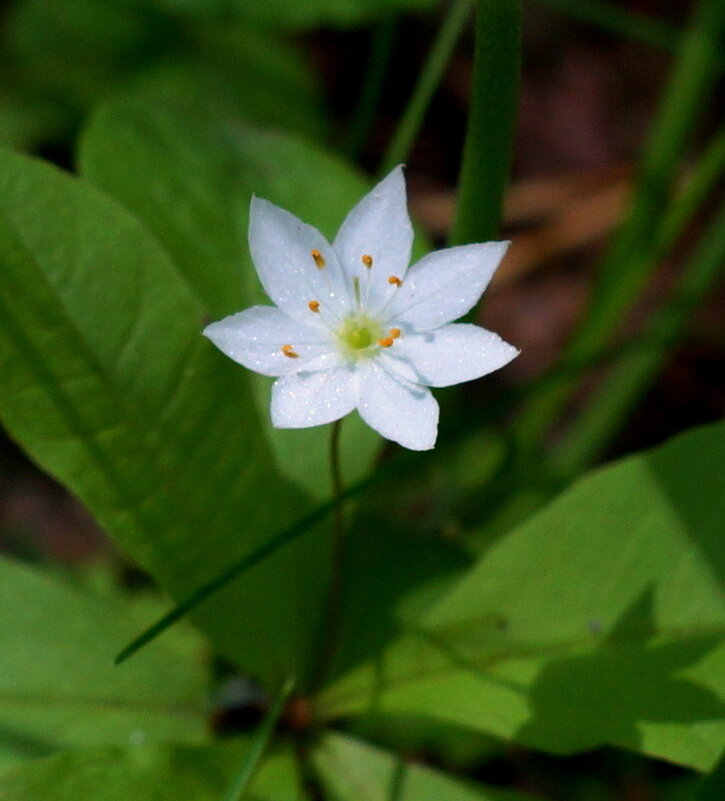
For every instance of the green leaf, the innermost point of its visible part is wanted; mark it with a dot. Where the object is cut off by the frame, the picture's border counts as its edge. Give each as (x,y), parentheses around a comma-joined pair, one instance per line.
(350,770)
(713,787)
(388,571)
(157,773)
(599,621)
(190,177)
(295,14)
(229,69)
(219,64)
(490,130)
(58,686)
(109,385)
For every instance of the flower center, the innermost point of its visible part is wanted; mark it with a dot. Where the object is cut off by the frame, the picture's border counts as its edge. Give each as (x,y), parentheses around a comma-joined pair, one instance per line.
(358,334)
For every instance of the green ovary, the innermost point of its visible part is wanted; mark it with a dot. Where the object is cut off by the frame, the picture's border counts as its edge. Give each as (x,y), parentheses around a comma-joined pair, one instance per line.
(358,334)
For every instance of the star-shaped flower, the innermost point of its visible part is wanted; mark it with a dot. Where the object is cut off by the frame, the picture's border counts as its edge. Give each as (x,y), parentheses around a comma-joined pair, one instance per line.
(354,327)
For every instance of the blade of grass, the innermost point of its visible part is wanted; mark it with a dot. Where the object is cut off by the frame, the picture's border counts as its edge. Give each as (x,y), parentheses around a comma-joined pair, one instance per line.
(630,261)
(373,83)
(604,416)
(235,570)
(489,135)
(240,783)
(642,28)
(429,80)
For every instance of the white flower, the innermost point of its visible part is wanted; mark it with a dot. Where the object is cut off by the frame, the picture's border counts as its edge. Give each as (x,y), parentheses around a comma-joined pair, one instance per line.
(353,327)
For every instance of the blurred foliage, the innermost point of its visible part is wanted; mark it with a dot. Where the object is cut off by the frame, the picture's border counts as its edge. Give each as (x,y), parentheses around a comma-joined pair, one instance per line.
(484,601)
(148,773)
(59,59)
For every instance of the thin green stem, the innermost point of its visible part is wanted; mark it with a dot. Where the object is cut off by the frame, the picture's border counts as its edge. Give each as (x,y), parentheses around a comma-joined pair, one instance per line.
(631,259)
(260,743)
(429,80)
(650,30)
(336,479)
(332,618)
(603,417)
(489,135)
(397,780)
(374,81)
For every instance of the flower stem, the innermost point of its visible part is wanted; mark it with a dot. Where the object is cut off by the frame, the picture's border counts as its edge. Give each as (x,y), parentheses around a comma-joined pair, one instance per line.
(430,77)
(336,479)
(334,597)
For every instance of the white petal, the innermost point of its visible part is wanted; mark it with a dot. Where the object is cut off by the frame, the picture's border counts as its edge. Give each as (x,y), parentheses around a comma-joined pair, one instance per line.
(255,337)
(311,399)
(398,409)
(282,250)
(449,355)
(446,284)
(378,227)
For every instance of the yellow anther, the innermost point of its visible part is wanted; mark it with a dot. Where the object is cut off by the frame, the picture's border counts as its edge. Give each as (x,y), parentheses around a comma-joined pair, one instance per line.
(367,260)
(395,280)
(317,256)
(314,305)
(288,350)
(386,342)
(395,333)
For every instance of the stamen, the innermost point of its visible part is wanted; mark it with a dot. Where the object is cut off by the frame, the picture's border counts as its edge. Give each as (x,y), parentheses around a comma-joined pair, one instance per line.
(314,306)
(367,260)
(356,288)
(395,333)
(288,350)
(319,260)
(386,342)
(395,280)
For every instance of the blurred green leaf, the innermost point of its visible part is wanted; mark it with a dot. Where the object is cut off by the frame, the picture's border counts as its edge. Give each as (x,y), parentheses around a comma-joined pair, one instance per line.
(109,385)
(24,123)
(598,621)
(350,770)
(488,147)
(295,14)
(73,54)
(190,177)
(230,69)
(75,50)
(58,686)
(713,787)
(161,773)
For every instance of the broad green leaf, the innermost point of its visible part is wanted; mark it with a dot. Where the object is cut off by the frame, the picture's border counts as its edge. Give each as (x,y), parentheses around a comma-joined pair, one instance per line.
(154,773)
(190,178)
(109,385)
(389,572)
(351,770)
(599,621)
(58,686)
